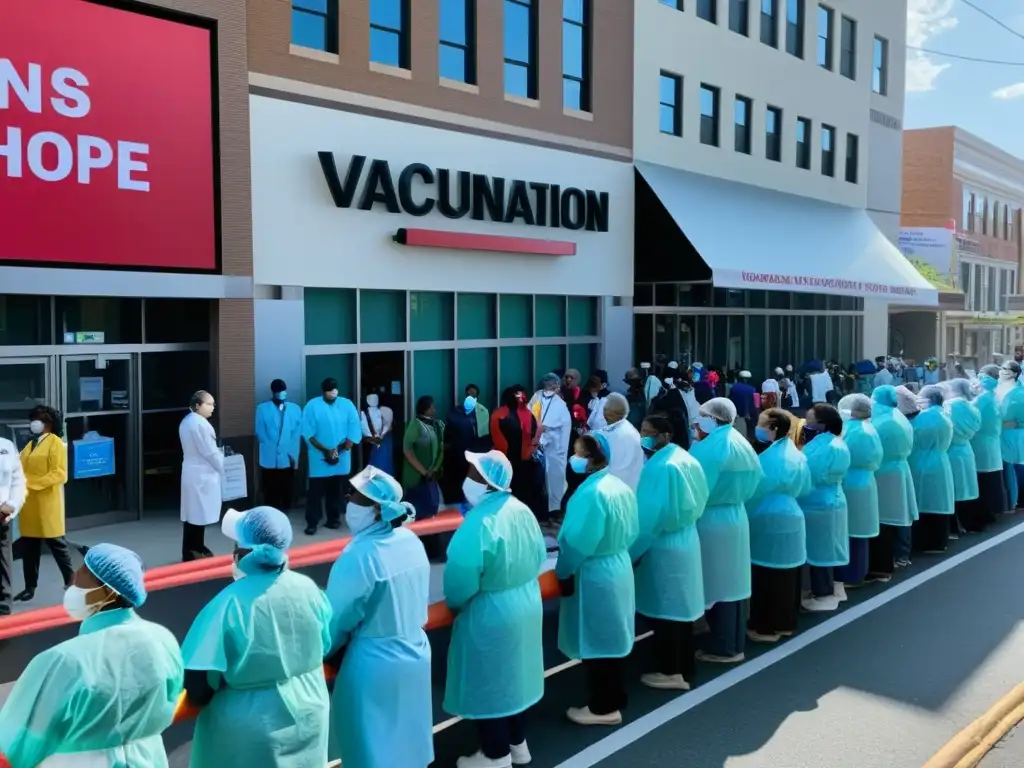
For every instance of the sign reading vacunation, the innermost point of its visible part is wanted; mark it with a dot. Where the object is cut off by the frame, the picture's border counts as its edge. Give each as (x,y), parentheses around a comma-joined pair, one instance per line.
(458,194)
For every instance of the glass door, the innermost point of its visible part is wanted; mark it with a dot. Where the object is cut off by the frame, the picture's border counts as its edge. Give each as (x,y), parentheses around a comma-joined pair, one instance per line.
(25,382)
(101,417)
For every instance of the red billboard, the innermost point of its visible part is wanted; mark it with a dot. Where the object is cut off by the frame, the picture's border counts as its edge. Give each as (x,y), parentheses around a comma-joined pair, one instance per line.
(107,138)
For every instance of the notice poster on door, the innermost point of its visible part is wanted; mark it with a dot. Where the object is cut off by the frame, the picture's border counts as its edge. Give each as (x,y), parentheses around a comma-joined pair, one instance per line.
(90,389)
(92,456)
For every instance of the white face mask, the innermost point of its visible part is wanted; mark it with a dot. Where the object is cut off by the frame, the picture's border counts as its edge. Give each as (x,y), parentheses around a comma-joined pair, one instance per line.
(358,518)
(474,491)
(36,427)
(332,394)
(76,605)
(707,424)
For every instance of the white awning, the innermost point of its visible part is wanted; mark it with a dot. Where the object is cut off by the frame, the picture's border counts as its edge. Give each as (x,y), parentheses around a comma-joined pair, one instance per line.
(756,238)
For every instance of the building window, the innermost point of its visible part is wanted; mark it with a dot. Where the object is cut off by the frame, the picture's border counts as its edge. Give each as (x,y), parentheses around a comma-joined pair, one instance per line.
(521,48)
(315,24)
(828,150)
(803,143)
(795,28)
(965,210)
(825,19)
(880,77)
(770,23)
(709,115)
(708,10)
(741,119)
(739,17)
(677,4)
(576,54)
(979,214)
(457,49)
(996,221)
(1011,225)
(852,157)
(670,119)
(848,49)
(1007,224)
(389,32)
(773,134)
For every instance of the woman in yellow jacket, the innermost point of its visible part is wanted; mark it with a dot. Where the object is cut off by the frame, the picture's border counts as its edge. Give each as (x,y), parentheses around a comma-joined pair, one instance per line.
(41,519)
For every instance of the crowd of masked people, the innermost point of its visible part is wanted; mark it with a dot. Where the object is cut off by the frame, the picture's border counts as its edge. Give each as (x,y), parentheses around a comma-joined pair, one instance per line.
(763,515)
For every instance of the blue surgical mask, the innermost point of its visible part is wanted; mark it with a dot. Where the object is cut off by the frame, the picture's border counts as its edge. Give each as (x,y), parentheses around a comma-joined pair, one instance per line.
(988,382)
(649,443)
(282,395)
(762,434)
(469,404)
(578,464)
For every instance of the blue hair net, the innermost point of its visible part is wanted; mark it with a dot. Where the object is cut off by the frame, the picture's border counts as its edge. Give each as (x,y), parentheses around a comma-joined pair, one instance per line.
(606,447)
(494,466)
(120,569)
(885,395)
(378,486)
(268,533)
(392,510)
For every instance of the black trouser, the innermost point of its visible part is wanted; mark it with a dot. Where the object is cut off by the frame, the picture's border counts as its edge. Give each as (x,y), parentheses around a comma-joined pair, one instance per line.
(6,568)
(930,533)
(193,541)
(324,497)
(607,680)
(33,552)
(774,599)
(496,736)
(727,623)
(277,488)
(674,649)
(822,581)
(880,551)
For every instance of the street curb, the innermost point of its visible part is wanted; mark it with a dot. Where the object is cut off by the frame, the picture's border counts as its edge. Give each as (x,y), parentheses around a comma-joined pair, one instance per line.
(967,748)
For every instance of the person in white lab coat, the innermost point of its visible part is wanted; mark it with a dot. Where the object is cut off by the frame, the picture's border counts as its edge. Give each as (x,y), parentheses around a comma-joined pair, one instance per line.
(12,495)
(553,437)
(377,422)
(627,453)
(202,469)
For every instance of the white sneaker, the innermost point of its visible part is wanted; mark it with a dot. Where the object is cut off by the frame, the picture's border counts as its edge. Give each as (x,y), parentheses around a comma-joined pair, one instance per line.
(521,754)
(710,658)
(757,637)
(839,592)
(583,716)
(480,760)
(665,682)
(820,604)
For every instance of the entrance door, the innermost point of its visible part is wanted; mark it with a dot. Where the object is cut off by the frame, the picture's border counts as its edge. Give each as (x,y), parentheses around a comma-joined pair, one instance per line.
(100,404)
(383,374)
(25,382)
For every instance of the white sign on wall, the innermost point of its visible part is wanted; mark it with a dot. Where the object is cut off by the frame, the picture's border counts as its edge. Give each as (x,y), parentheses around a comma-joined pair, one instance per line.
(933,245)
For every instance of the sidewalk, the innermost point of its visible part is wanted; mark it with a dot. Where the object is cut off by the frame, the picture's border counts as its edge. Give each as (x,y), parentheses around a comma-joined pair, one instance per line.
(1008,753)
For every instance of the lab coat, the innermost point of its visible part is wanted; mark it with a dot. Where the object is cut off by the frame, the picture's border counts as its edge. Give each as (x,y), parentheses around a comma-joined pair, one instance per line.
(897,499)
(379,590)
(733,473)
(496,654)
(201,470)
(670,499)
(860,486)
(263,640)
(102,698)
(627,459)
(966,421)
(331,425)
(601,523)
(988,455)
(553,414)
(778,533)
(929,461)
(46,471)
(596,421)
(278,430)
(13,488)
(824,504)
(1012,440)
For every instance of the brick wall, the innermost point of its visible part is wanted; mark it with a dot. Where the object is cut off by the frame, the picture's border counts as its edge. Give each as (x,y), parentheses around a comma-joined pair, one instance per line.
(931,196)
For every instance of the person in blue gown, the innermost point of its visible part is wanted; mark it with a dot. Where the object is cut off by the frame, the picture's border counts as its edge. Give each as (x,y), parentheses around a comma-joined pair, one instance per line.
(379,591)
(966,420)
(932,471)
(666,554)
(254,656)
(733,473)
(988,454)
(278,432)
(105,696)
(1010,395)
(778,546)
(597,612)
(496,654)
(330,428)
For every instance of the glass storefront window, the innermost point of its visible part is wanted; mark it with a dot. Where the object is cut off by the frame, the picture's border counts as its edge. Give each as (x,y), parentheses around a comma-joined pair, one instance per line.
(847,342)
(643,337)
(582,316)
(431,316)
(643,295)
(779,299)
(340,367)
(719,357)
(583,357)
(119,320)
(549,358)
(737,330)
(381,316)
(330,316)
(808,301)
(664,337)
(701,346)
(170,378)
(480,367)
(687,341)
(22,388)
(177,321)
(728,297)
(822,350)
(550,316)
(517,367)
(24,320)
(666,294)
(756,360)
(476,315)
(806,341)
(516,316)
(757,299)
(694,295)
(434,375)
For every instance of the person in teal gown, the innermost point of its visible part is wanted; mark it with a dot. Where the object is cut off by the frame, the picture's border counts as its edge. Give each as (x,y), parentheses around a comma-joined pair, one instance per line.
(966,421)
(496,654)
(932,471)
(105,696)
(254,656)
(1010,395)
(988,454)
(379,590)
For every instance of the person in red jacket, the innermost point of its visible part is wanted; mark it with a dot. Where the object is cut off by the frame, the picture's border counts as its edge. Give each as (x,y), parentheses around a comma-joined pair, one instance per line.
(514,433)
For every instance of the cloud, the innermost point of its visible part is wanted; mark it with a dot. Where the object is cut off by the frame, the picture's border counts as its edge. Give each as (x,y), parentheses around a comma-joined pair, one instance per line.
(1009,92)
(925,20)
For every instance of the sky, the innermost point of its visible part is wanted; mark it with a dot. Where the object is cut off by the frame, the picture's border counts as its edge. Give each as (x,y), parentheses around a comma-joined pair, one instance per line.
(985,99)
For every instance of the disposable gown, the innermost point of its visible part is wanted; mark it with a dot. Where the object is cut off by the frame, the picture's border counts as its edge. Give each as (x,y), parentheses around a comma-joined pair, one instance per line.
(825,512)
(495,659)
(1012,440)
(897,500)
(262,640)
(733,474)
(778,534)
(670,499)
(601,524)
(860,487)
(379,590)
(988,454)
(966,422)
(101,698)
(929,461)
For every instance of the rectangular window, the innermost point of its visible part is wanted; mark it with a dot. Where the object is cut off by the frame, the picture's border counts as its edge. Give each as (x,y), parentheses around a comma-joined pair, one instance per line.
(997,209)
(965,209)
(521,48)
(880,75)
(677,4)
(969,224)
(848,49)
(739,17)
(741,120)
(457,41)
(979,214)
(770,23)
(852,158)
(576,54)
(803,143)
(795,28)
(709,115)
(1006,222)
(708,10)
(828,150)
(389,32)
(825,20)
(773,134)
(315,24)
(984,213)
(1011,224)
(670,118)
